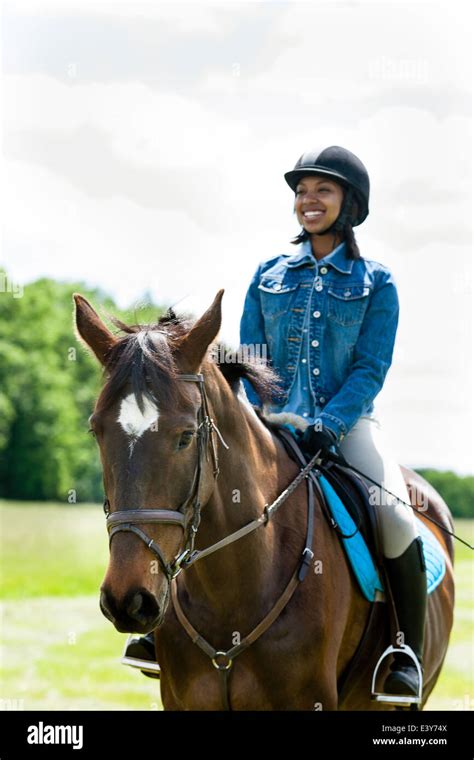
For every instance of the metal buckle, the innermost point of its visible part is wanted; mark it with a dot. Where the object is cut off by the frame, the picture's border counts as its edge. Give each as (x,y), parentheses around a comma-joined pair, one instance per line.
(305,563)
(400,700)
(268,512)
(175,568)
(227,666)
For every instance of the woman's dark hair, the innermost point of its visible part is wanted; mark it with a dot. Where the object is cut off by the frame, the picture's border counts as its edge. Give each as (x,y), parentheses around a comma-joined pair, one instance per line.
(347,233)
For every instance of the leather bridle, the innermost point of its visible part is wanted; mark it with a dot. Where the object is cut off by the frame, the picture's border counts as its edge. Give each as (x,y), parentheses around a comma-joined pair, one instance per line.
(188,515)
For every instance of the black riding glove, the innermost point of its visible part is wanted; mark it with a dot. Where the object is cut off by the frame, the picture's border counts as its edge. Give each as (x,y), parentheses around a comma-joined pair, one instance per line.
(315,440)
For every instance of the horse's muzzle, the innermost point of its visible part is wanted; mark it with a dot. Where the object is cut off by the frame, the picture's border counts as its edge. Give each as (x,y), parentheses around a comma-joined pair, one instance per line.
(138,612)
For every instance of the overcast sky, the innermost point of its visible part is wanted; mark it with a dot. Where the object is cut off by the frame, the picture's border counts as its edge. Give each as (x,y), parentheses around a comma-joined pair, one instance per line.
(145,146)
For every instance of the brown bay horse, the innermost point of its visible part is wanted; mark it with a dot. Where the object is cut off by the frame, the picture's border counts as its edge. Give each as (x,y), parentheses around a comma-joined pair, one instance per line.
(147,423)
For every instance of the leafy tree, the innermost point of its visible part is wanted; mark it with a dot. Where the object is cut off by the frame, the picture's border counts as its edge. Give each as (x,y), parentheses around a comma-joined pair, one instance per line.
(48,385)
(456,490)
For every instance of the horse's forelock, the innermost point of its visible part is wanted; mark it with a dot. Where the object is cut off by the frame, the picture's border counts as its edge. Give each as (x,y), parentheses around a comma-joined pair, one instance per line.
(144,359)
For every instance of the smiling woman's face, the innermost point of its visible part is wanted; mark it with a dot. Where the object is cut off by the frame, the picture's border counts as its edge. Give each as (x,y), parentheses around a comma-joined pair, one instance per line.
(318,202)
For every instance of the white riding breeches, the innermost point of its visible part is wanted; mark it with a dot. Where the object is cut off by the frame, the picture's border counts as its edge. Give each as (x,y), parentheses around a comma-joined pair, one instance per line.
(366,448)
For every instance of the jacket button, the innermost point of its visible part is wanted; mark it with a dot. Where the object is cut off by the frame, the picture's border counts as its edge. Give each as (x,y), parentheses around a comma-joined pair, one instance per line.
(315,371)
(319,288)
(322,399)
(303,361)
(316,314)
(323,270)
(347,292)
(277,286)
(315,343)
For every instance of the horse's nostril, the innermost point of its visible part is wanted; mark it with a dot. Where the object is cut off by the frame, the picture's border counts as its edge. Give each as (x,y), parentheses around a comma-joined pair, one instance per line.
(105,606)
(143,607)
(135,605)
(139,611)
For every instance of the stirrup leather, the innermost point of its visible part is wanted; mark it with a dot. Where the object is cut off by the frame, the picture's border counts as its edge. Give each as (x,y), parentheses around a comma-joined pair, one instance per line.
(400,700)
(134,662)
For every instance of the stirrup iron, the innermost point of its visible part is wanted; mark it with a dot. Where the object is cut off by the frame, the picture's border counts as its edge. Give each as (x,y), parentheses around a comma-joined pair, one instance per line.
(399,700)
(133,662)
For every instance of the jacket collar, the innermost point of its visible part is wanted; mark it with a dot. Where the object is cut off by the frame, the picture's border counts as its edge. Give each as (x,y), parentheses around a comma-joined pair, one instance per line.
(338,258)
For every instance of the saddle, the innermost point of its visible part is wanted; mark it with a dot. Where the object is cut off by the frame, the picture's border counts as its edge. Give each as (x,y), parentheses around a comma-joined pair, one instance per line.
(344,498)
(354,517)
(349,487)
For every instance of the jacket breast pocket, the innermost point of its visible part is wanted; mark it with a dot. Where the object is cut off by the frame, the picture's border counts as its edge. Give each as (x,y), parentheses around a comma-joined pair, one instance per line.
(276,296)
(347,306)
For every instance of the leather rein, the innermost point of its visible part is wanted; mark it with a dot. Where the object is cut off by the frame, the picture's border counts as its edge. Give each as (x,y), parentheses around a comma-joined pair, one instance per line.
(188,517)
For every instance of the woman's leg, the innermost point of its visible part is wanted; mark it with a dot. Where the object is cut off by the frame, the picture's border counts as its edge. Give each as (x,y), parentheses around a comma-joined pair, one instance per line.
(366,448)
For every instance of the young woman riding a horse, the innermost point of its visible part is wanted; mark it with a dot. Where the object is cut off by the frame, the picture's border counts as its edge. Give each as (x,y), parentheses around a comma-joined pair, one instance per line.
(250,623)
(329,318)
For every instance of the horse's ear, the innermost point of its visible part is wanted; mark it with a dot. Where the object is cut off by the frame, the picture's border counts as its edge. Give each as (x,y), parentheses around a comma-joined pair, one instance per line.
(193,346)
(91,330)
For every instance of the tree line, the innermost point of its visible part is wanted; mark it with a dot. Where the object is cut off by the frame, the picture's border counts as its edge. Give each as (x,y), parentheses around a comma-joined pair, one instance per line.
(48,386)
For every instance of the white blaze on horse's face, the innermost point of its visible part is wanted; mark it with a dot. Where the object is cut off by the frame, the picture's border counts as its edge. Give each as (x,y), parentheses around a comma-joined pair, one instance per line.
(135,422)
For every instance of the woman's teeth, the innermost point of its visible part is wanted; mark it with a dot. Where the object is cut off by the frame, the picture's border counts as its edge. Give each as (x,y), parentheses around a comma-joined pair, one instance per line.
(312,214)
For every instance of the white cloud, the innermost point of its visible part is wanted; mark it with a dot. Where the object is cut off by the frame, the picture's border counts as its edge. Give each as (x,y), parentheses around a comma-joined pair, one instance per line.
(363,42)
(145,127)
(187,16)
(116,244)
(92,191)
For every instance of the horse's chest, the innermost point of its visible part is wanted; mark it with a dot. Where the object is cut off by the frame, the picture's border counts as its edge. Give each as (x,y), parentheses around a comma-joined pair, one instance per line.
(204,691)
(280,671)
(252,683)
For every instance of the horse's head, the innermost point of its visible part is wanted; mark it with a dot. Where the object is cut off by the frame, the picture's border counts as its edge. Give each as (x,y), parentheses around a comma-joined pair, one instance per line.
(156,447)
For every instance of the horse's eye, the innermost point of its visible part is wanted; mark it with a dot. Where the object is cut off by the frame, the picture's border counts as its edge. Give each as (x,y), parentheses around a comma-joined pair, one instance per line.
(91,423)
(185,439)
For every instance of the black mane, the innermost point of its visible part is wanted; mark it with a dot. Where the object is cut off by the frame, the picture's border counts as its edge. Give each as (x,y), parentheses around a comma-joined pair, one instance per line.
(143,357)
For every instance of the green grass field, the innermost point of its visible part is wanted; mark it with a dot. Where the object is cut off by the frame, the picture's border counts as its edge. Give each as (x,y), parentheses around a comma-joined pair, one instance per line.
(59,652)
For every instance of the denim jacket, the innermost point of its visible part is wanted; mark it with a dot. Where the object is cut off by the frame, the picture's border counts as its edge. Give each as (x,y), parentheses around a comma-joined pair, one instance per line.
(353,309)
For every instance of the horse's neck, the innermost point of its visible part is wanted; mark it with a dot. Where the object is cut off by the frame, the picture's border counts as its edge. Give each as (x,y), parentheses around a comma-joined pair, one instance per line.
(253,471)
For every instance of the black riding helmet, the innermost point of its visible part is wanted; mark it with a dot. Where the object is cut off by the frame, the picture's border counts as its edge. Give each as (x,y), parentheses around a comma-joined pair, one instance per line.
(345,168)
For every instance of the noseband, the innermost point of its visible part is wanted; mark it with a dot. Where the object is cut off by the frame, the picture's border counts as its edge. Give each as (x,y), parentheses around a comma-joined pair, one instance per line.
(188,515)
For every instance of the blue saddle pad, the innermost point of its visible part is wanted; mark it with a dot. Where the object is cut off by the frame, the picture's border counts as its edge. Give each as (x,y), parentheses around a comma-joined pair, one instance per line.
(359,555)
